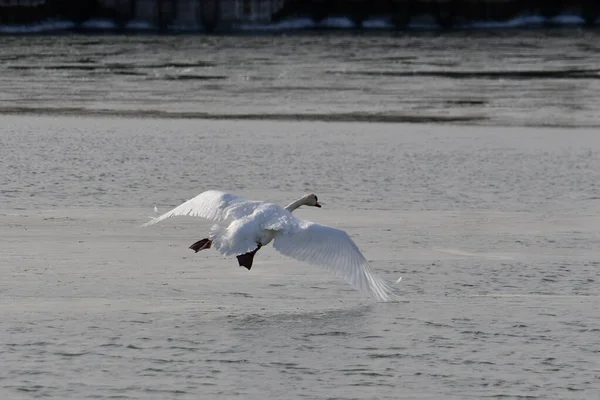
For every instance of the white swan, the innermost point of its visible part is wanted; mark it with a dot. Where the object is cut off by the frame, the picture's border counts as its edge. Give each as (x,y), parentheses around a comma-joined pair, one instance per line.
(256,223)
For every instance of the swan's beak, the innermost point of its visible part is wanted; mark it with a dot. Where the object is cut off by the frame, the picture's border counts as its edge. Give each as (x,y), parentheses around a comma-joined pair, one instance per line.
(317,204)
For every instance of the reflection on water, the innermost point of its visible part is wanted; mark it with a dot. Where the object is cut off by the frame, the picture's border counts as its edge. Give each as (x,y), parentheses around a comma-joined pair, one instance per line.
(298,319)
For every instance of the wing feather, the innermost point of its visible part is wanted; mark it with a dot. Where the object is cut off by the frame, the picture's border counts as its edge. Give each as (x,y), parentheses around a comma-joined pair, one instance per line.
(211,204)
(334,250)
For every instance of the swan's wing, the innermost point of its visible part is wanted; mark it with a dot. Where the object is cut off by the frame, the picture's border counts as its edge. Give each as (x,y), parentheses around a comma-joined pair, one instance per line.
(333,249)
(212,204)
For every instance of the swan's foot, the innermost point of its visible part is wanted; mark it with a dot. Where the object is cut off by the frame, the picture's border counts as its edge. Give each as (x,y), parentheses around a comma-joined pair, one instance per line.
(201,245)
(245,260)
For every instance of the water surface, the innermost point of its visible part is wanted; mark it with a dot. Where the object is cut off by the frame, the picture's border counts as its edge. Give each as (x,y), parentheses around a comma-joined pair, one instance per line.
(519,77)
(493,229)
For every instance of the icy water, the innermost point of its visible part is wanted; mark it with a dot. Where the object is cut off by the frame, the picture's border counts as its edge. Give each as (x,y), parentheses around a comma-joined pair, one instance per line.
(494,229)
(521,77)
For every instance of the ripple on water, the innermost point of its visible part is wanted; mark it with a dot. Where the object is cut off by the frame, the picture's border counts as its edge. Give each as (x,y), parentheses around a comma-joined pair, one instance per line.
(71,354)
(387,355)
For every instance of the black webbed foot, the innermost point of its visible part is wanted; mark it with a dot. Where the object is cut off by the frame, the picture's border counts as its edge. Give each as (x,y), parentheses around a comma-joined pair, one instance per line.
(201,245)
(245,260)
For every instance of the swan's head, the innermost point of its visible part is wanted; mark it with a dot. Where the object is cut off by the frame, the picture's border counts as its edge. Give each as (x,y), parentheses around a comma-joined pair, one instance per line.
(312,200)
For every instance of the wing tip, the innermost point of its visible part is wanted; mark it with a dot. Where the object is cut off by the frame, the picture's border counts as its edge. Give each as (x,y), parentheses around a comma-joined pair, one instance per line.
(387,292)
(151,222)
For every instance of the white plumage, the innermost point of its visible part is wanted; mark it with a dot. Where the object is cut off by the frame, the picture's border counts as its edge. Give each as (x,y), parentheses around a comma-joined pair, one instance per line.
(256,223)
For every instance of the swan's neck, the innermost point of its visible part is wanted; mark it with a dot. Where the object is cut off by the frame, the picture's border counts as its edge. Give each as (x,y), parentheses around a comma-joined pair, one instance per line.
(295,204)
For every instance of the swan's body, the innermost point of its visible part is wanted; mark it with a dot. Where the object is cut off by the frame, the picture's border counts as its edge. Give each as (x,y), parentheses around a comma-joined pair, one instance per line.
(256,223)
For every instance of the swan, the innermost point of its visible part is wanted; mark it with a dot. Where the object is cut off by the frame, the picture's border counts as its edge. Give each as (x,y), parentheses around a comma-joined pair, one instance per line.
(254,224)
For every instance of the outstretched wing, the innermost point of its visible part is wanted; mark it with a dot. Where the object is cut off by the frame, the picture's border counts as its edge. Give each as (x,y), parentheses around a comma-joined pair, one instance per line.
(334,250)
(212,204)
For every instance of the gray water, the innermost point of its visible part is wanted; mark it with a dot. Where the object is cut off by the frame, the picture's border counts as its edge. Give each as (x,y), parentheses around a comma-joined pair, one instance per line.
(531,78)
(494,230)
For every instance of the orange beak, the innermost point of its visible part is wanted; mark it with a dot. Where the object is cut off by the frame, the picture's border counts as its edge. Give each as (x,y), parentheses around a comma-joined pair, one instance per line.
(317,204)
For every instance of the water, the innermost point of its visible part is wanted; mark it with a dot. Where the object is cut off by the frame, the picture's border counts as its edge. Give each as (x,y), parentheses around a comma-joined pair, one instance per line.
(525,78)
(494,229)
